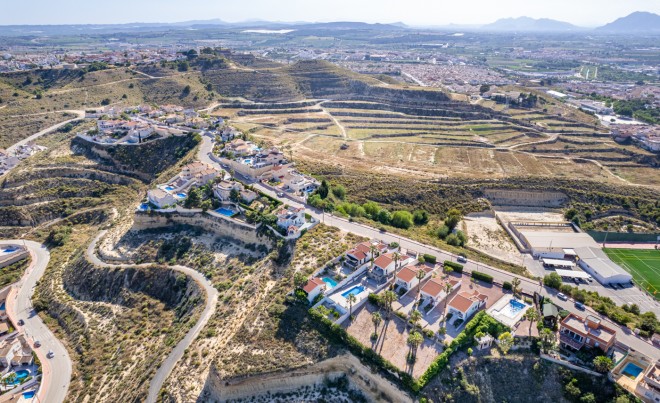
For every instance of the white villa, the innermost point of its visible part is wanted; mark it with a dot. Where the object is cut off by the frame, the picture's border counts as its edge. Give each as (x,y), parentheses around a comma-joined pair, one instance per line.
(407,277)
(291,219)
(465,304)
(222,190)
(435,289)
(160,198)
(314,287)
(15,352)
(361,254)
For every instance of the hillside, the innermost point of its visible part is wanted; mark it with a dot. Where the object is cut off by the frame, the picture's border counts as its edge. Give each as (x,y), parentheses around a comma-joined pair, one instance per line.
(523,24)
(635,22)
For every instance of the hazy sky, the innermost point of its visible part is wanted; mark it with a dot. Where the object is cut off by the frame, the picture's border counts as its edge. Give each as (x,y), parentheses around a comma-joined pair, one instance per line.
(414,12)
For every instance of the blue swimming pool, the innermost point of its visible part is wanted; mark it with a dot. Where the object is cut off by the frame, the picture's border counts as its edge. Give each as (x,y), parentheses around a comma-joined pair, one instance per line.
(353,291)
(20,376)
(331,283)
(181,195)
(631,370)
(30,394)
(2,306)
(169,188)
(143,207)
(516,306)
(225,211)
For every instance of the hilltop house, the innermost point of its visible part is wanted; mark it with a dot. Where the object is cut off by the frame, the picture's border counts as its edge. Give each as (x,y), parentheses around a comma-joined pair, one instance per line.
(15,352)
(222,190)
(434,289)
(361,254)
(576,332)
(160,198)
(240,147)
(291,219)
(314,287)
(406,278)
(385,265)
(465,304)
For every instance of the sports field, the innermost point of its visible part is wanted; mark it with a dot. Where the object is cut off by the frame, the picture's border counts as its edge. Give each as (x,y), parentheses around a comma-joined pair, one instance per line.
(643,264)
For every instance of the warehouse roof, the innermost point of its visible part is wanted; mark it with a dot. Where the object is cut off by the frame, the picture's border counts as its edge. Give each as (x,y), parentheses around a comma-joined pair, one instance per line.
(600,263)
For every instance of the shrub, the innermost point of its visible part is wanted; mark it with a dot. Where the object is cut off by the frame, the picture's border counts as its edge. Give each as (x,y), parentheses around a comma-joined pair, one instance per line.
(552,280)
(430,258)
(477,275)
(402,219)
(420,217)
(457,267)
(507,286)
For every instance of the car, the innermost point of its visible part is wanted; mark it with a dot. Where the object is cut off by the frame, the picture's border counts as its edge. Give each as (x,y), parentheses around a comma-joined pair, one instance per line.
(280,194)
(579,305)
(50,354)
(576,280)
(589,279)
(37,344)
(462,259)
(21,322)
(562,296)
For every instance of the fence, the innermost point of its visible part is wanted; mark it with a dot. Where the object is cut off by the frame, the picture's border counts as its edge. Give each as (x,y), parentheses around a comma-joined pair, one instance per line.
(631,237)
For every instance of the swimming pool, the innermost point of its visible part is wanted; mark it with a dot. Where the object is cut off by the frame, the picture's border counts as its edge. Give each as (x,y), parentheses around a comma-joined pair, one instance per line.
(20,376)
(631,370)
(143,207)
(2,306)
(29,394)
(181,195)
(512,309)
(225,211)
(353,291)
(169,188)
(8,250)
(331,283)
(247,161)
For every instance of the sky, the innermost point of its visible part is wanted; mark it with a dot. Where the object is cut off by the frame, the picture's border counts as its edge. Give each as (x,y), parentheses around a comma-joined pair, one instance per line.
(411,12)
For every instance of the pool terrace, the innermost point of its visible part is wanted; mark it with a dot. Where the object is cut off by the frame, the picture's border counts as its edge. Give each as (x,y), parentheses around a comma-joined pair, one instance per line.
(508,310)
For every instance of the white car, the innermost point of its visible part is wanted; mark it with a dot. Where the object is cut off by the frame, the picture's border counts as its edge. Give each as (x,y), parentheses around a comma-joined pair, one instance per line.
(562,297)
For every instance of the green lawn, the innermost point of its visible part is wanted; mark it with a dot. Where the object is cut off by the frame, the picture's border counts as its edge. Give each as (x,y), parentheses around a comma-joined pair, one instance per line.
(643,264)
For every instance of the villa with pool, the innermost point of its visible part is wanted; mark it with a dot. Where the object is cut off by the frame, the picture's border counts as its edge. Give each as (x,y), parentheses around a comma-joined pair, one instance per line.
(639,375)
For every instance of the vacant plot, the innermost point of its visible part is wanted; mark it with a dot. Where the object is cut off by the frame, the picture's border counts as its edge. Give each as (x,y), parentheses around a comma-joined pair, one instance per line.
(643,264)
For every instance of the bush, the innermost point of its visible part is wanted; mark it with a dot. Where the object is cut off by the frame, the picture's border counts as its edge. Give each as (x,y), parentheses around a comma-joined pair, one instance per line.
(457,267)
(430,258)
(552,280)
(507,286)
(402,219)
(477,275)
(420,217)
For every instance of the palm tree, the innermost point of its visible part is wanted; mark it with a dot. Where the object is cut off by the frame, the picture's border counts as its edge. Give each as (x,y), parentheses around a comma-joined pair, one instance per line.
(351,300)
(415,339)
(547,337)
(396,261)
(389,297)
(420,276)
(532,315)
(447,291)
(376,318)
(415,317)
(372,250)
(515,285)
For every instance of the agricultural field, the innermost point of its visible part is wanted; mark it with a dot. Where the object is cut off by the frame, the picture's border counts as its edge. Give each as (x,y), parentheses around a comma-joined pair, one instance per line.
(643,264)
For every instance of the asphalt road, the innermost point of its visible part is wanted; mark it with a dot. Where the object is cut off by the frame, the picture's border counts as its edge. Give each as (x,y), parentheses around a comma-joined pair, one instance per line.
(209,309)
(81,115)
(57,370)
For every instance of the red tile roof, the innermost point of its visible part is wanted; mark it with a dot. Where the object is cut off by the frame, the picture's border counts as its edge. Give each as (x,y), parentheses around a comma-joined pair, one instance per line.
(312,283)
(407,274)
(464,300)
(383,261)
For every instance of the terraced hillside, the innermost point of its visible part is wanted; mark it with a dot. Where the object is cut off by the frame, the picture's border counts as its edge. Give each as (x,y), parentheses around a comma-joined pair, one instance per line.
(118,324)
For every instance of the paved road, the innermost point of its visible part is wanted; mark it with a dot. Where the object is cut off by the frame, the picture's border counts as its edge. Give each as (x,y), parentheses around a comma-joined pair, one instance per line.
(209,309)
(81,115)
(57,370)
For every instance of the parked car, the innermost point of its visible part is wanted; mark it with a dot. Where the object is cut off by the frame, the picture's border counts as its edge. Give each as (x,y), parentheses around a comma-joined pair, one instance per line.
(579,305)
(37,344)
(462,259)
(50,354)
(21,322)
(576,280)
(589,279)
(562,297)
(280,194)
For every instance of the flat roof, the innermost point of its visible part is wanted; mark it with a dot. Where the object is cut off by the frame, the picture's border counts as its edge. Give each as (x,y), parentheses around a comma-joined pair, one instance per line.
(558,262)
(601,263)
(572,273)
(544,240)
(570,252)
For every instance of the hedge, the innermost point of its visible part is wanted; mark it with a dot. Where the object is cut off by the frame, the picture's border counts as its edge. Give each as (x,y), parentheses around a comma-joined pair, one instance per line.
(430,258)
(457,267)
(507,286)
(480,323)
(487,278)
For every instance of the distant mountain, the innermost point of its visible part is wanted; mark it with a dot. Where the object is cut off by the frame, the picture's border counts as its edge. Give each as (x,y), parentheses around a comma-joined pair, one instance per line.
(636,22)
(529,24)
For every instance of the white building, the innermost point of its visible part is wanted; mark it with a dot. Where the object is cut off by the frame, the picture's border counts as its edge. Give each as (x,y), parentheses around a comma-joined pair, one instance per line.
(160,198)
(314,287)
(435,289)
(465,304)
(407,277)
(595,262)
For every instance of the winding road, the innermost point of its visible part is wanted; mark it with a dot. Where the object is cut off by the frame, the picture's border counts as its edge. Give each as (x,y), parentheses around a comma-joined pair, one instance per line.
(80,116)
(209,310)
(56,375)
